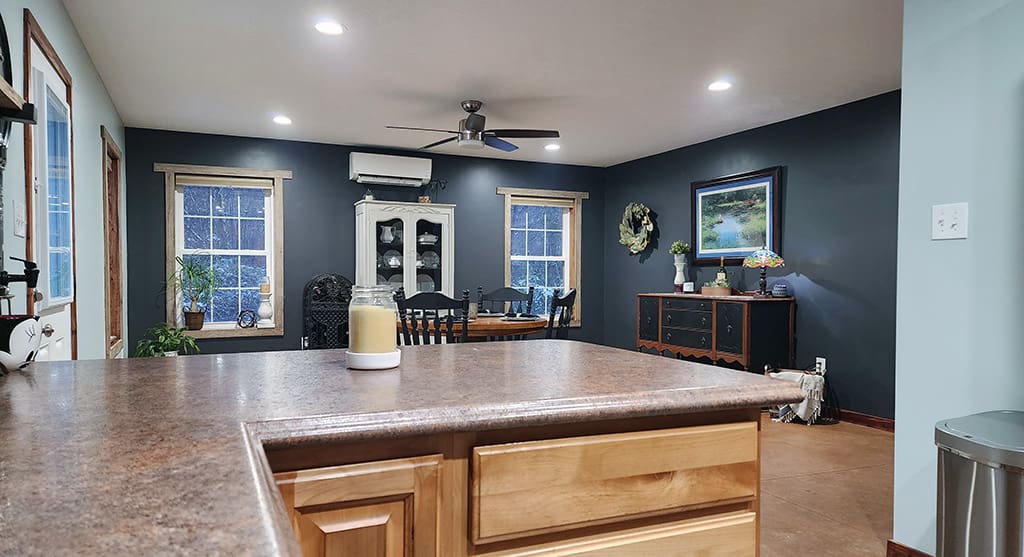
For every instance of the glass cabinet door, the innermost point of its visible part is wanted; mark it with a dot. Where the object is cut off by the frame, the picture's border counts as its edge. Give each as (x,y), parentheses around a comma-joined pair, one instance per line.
(390,241)
(429,243)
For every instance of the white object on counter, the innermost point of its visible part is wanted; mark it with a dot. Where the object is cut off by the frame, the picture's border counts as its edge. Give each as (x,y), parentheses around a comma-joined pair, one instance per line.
(386,360)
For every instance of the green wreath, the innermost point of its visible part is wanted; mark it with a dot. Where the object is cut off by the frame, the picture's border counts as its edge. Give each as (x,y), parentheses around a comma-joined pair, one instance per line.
(636,227)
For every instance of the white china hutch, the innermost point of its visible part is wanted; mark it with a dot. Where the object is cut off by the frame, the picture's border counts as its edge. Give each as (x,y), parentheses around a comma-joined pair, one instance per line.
(409,245)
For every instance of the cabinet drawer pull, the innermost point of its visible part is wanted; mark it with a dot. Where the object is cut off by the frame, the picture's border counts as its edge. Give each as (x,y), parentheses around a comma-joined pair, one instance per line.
(728,329)
(668,318)
(668,336)
(649,319)
(703,321)
(703,341)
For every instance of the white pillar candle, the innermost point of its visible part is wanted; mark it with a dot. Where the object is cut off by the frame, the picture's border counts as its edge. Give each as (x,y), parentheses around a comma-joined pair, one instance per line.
(372,329)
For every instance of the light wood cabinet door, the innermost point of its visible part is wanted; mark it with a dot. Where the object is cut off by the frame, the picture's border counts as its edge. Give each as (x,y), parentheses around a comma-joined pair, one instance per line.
(386,509)
(534,487)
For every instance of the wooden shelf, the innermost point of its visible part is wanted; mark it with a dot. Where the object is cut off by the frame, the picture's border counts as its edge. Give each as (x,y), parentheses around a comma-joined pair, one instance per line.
(9,98)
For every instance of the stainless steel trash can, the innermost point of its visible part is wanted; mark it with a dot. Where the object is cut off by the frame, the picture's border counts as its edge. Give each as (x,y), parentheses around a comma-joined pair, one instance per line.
(980,507)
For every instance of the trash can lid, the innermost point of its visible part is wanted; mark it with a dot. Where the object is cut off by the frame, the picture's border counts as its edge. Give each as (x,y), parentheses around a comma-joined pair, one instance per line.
(995,437)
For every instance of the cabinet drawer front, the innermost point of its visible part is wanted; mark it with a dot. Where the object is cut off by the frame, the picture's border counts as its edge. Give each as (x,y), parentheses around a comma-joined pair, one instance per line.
(686,303)
(689,339)
(648,326)
(552,485)
(700,320)
(730,328)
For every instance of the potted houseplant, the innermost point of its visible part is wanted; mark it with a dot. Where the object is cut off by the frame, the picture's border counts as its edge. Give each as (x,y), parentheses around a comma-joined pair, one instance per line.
(679,249)
(165,340)
(197,282)
(717,287)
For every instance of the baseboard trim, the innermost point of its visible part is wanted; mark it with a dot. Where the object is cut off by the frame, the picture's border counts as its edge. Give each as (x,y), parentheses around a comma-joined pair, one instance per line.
(885,424)
(896,549)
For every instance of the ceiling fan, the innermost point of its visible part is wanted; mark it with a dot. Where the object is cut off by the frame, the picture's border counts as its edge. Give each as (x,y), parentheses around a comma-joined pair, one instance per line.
(471,132)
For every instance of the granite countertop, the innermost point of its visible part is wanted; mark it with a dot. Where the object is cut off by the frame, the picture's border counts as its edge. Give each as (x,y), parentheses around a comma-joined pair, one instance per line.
(164,456)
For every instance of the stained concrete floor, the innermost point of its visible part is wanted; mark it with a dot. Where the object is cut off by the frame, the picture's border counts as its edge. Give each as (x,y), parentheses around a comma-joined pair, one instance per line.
(826,490)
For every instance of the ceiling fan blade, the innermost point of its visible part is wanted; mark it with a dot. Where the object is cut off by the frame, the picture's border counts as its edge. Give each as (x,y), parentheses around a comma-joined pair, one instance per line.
(522,133)
(499,143)
(442,142)
(475,122)
(420,129)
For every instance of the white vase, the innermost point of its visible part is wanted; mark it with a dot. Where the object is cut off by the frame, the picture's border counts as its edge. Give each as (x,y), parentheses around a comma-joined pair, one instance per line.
(680,264)
(386,234)
(265,311)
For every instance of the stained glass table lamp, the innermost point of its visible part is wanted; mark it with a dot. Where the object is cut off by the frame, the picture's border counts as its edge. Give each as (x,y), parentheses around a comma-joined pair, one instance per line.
(763,259)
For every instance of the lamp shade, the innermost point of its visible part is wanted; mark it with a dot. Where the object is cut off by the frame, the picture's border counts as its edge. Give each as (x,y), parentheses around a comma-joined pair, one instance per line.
(763,257)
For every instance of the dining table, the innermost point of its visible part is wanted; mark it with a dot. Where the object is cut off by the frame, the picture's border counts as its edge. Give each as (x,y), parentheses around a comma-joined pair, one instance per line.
(485,326)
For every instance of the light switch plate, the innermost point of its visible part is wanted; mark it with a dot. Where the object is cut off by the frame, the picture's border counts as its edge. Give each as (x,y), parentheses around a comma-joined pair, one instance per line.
(949,221)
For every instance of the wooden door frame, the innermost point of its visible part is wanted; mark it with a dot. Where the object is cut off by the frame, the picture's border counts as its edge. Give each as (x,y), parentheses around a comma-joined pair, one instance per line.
(34,33)
(111,150)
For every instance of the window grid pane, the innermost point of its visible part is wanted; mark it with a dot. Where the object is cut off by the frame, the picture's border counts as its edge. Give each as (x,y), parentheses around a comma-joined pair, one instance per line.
(539,251)
(228,226)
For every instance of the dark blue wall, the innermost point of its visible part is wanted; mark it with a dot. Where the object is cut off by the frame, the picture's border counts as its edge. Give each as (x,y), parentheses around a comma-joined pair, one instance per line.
(839,228)
(319,219)
(838,236)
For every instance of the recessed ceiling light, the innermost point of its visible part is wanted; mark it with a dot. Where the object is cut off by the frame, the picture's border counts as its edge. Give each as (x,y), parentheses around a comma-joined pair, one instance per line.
(283,120)
(552,146)
(720,85)
(329,27)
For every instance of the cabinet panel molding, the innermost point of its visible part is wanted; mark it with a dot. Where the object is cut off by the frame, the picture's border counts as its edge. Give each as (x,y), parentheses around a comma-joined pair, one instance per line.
(376,507)
(568,483)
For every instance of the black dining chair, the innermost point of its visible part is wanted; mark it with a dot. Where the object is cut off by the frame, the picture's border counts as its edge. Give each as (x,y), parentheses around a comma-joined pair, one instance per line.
(561,312)
(325,300)
(432,314)
(518,301)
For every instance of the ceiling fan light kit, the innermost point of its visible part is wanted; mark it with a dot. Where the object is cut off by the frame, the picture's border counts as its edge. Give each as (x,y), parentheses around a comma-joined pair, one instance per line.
(471,132)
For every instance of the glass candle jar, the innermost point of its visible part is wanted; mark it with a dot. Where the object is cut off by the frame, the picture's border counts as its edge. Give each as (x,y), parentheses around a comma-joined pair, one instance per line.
(372,320)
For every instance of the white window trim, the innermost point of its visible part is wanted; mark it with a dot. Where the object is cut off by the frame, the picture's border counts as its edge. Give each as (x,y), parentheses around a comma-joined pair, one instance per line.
(572,199)
(174,220)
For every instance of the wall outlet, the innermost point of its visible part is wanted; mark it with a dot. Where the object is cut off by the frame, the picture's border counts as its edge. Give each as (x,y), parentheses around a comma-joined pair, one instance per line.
(949,221)
(819,365)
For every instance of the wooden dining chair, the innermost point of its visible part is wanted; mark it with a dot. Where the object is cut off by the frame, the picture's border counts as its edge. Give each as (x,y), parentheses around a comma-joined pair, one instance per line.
(432,314)
(561,312)
(519,302)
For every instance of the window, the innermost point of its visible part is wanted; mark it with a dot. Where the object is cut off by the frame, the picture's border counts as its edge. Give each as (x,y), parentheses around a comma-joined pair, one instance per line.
(54,240)
(230,220)
(542,243)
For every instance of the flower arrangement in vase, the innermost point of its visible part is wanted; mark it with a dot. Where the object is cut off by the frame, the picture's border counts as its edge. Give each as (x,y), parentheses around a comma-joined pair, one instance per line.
(679,249)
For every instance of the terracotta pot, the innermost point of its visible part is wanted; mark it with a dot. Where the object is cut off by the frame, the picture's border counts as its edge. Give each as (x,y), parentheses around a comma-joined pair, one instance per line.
(194,320)
(715,291)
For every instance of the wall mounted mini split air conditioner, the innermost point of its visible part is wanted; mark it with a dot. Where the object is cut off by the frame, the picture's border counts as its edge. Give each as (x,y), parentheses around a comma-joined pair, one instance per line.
(388,170)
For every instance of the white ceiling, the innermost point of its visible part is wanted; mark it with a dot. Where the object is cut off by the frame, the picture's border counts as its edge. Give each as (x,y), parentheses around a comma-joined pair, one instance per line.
(620,79)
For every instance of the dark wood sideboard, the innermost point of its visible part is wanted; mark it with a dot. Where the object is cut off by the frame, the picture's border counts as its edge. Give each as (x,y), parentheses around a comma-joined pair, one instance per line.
(736,331)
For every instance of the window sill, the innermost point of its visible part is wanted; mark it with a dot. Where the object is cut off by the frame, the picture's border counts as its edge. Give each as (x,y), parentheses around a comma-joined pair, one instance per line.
(209,331)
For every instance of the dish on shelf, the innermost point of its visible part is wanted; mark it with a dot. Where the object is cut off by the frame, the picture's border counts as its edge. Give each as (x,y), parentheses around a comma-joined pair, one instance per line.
(427,239)
(424,283)
(393,259)
(430,260)
(396,281)
(381,281)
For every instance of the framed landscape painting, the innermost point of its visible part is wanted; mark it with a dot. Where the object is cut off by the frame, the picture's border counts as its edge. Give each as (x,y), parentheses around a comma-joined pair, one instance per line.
(736,215)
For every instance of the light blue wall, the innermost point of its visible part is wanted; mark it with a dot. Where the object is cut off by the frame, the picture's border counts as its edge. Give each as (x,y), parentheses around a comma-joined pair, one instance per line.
(91,107)
(959,304)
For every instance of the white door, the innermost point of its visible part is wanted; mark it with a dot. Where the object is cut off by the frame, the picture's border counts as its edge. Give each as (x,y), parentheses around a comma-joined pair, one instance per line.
(52,203)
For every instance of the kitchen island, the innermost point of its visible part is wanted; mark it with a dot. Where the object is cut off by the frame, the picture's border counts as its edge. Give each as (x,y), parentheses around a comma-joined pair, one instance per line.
(487,449)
